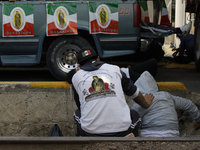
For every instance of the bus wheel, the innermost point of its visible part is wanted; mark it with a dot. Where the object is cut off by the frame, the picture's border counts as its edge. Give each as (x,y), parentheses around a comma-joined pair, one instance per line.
(62,55)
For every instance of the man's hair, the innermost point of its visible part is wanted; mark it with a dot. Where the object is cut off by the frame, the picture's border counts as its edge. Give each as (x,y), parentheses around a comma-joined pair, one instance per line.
(85,54)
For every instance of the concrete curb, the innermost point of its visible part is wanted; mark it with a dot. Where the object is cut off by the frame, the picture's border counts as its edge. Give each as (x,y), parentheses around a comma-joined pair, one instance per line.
(87,140)
(162,86)
(91,143)
(58,85)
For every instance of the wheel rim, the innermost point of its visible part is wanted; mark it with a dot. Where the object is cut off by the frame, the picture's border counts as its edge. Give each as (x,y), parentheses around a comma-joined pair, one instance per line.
(66,58)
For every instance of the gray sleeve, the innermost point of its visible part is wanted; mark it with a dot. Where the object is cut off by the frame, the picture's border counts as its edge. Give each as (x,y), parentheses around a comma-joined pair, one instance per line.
(140,110)
(187,105)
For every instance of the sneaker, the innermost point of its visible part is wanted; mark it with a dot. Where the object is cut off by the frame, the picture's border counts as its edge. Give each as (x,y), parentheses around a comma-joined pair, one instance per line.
(185,29)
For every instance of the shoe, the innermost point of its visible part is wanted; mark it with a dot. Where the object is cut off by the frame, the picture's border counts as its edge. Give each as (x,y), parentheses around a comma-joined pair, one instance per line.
(185,29)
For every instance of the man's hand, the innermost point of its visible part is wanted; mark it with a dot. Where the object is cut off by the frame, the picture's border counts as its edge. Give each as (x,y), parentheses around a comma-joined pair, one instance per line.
(175,53)
(174,49)
(144,101)
(149,98)
(197,125)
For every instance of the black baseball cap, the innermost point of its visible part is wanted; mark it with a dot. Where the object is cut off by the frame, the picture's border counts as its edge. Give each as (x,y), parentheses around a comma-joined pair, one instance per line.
(86,53)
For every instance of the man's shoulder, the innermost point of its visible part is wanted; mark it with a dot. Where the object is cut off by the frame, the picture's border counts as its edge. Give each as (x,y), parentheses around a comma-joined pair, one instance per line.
(110,65)
(78,74)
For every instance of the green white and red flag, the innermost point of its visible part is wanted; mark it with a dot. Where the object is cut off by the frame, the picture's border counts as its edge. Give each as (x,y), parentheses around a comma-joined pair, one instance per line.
(61,18)
(18,20)
(144,10)
(86,53)
(103,17)
(164,16)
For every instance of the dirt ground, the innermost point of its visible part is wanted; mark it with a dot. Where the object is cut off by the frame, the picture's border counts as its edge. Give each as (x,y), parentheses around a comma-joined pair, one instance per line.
(142,146)
(185,121)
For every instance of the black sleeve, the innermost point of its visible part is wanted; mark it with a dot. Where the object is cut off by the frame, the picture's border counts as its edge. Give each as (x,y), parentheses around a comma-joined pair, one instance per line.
(127,85)
(70,75)
(76,98)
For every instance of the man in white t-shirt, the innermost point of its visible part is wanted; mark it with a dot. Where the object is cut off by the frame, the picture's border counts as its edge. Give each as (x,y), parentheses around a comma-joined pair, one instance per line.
(99,94)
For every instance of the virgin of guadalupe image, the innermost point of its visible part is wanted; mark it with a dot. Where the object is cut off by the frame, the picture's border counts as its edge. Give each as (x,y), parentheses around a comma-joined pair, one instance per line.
(61,18)
(17,19)
(103,16)
(97,84)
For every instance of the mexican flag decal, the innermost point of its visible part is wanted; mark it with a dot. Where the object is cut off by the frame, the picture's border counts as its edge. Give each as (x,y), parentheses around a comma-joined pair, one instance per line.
(103,17)
(18,20)
(61,18)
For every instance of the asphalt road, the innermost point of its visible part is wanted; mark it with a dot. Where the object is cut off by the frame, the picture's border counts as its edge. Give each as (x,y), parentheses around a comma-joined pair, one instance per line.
(187,75)
(190,77)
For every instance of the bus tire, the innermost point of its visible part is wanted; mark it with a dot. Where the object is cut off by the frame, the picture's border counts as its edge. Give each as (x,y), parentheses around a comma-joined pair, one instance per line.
(62,55)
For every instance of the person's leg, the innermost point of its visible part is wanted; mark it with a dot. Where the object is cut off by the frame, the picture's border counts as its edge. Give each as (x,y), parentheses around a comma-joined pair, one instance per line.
(136,122)
(135,125)
(150,65)
(79,131)
(180,31)
(157,28)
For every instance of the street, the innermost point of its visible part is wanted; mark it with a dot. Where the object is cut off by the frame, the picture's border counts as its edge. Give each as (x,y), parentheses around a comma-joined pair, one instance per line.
(186,74)
(190,77)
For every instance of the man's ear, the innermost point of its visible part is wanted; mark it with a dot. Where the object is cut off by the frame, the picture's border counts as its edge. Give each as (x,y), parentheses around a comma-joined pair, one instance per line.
(78,67)
(98,58)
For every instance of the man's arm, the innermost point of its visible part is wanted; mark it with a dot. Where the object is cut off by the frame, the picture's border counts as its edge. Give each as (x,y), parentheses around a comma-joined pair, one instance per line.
(133,92)
(76,98)
(190,107)
(182,47)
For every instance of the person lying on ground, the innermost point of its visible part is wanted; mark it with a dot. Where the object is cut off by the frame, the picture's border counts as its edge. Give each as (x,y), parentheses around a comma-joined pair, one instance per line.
(185,53)
(180,31)
(160,119)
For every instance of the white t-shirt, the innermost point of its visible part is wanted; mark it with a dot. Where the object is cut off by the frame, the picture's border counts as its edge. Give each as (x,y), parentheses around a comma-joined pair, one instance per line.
(102,102)
(126,71)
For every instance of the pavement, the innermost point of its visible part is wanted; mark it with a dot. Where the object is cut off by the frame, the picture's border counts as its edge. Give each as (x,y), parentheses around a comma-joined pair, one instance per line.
(65,85)
(62,84)
(96,143)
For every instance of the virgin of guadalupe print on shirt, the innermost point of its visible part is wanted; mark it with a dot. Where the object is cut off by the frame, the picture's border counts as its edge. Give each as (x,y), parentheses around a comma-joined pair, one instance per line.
(99,89)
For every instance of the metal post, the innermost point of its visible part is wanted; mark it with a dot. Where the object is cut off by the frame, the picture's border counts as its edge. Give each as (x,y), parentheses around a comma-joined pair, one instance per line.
(179,17)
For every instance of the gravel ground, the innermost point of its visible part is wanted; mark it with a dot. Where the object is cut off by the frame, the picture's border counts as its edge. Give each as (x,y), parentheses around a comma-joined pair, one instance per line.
(143,146)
